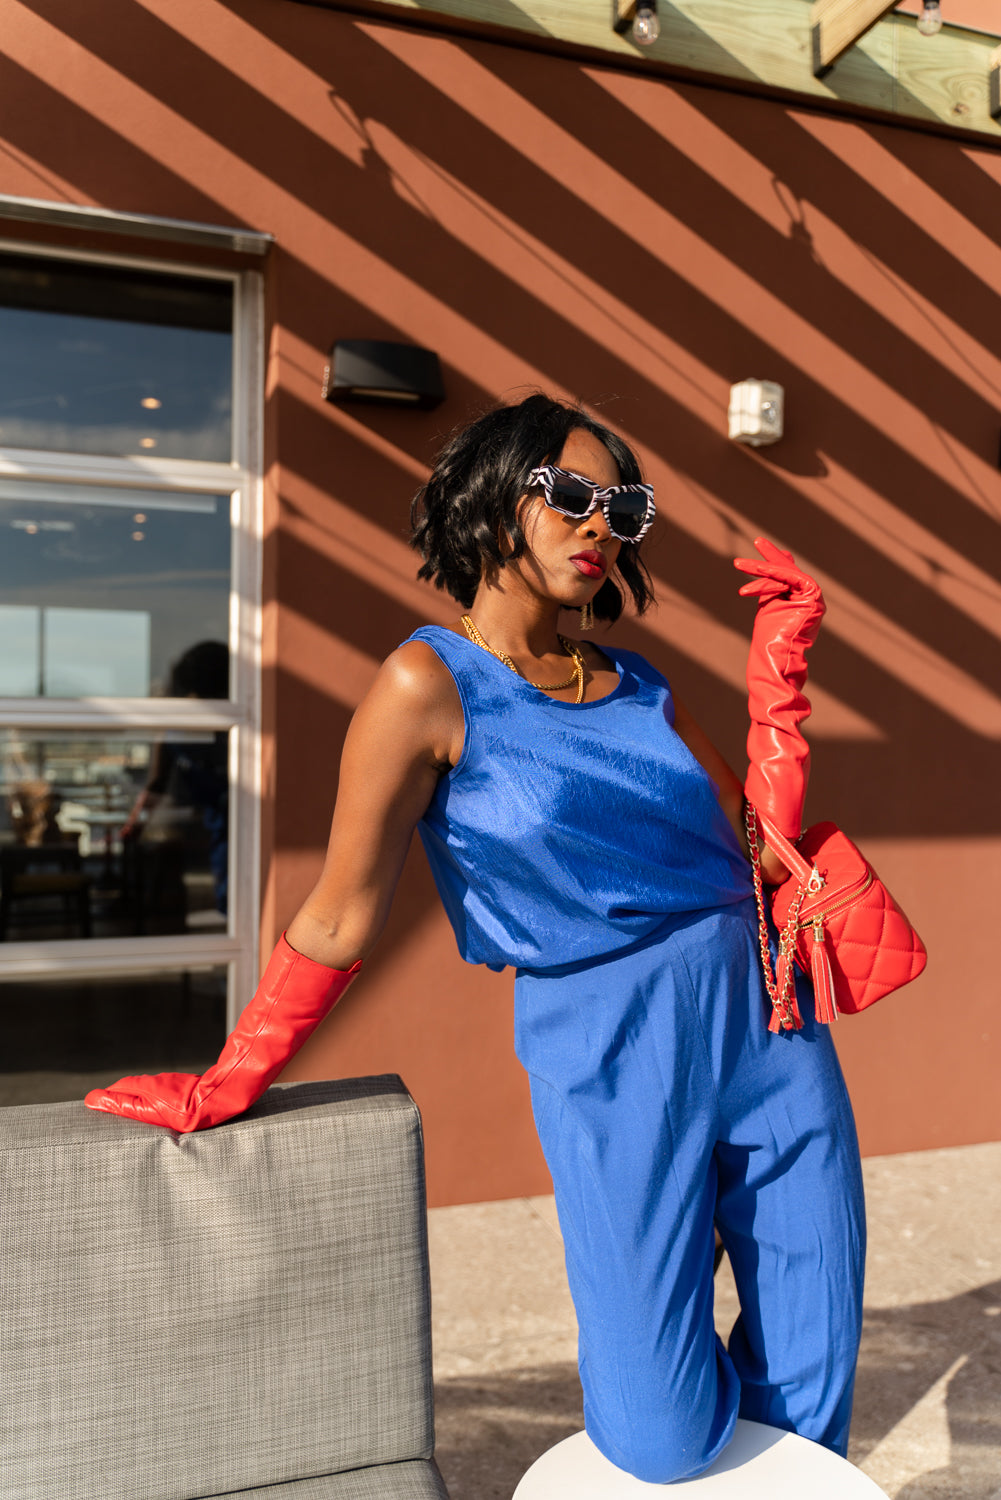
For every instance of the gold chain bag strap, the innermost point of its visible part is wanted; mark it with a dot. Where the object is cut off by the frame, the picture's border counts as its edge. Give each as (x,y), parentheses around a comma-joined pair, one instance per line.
(836,920)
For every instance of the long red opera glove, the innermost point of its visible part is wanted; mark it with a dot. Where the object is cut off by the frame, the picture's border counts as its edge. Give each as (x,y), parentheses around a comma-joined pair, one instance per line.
(293,997)
(790,609)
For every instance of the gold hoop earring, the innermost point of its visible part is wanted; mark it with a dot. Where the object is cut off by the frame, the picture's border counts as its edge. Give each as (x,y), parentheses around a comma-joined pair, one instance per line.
(587,617)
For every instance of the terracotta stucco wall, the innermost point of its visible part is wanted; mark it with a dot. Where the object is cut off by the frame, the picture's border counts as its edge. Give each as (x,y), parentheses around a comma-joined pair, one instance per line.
(640,244)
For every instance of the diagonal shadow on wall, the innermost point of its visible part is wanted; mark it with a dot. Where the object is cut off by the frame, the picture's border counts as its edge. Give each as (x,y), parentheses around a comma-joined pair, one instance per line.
(368,201)
(229,110)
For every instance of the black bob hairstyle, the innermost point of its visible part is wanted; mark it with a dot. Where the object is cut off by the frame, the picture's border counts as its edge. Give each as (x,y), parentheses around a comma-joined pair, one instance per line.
(475,487)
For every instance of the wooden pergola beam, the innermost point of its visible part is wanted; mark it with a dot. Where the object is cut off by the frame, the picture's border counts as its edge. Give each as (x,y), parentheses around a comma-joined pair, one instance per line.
(994,75)
(893,70)
(836,25)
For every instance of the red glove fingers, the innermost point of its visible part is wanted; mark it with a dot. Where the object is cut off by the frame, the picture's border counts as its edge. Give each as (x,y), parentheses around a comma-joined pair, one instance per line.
(293,997)
(778,575)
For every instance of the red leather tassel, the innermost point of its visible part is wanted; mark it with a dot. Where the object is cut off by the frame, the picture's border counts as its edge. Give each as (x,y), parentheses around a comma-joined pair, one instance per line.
(823,979)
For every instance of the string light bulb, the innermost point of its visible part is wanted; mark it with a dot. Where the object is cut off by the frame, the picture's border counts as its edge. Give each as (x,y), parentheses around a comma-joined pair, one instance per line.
(646,27)
(930,19)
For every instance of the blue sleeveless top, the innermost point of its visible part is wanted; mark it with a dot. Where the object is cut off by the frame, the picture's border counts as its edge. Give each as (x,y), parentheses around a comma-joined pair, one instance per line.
(568,831)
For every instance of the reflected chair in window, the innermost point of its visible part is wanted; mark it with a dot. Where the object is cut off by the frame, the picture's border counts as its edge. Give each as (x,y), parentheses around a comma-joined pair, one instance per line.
(42,879)
(44,886)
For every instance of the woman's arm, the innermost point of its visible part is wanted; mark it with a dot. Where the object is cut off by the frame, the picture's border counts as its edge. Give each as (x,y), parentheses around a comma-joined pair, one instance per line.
(731,793)
(790,609)
(407,731)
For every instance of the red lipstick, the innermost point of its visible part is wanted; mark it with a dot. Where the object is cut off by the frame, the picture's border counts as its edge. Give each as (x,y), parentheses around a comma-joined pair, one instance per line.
(590,563)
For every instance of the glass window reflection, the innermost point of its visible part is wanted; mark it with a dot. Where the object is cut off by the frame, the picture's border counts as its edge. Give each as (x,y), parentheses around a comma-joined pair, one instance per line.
(103,591)
(120,835)
(66,1035)
(99,359)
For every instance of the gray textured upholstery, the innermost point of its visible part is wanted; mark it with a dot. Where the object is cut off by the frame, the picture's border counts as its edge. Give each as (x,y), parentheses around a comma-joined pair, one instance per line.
(413,1481)
(233,1310)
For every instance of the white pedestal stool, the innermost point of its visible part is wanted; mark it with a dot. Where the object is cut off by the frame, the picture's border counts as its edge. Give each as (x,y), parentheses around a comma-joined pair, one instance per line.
(762,1463)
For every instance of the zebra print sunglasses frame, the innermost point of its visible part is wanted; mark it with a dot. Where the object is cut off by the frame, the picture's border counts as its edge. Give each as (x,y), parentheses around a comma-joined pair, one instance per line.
(628,509)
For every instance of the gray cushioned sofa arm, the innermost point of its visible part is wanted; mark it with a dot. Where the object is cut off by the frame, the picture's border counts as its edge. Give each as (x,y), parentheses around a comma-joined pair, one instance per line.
(245,1308)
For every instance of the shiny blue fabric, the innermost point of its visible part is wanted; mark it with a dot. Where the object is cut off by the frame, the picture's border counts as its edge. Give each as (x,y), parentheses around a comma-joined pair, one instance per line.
(664,1105)
(569,831)
(585,845)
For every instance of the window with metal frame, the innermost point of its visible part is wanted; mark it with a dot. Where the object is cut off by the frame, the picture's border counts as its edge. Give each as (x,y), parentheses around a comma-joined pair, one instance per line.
(130,399)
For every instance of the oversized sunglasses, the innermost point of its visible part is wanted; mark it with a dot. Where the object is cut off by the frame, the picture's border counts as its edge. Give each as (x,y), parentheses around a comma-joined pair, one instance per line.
(628,509)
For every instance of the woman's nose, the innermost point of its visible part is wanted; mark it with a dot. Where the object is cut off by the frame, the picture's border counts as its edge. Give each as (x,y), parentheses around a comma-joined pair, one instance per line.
(595,526)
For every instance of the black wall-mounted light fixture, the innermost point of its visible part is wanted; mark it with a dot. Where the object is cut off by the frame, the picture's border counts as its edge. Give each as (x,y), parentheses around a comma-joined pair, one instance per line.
(381,373)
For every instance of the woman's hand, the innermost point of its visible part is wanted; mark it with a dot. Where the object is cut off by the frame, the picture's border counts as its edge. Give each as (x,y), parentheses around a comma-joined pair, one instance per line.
(790,609)
(293,997)
(778,576)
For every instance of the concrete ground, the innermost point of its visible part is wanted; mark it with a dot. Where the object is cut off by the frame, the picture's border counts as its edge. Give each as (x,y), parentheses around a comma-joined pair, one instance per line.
(928,1401)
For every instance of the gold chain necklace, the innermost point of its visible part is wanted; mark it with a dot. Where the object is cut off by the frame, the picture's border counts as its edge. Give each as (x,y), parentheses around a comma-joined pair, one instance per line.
(576,676)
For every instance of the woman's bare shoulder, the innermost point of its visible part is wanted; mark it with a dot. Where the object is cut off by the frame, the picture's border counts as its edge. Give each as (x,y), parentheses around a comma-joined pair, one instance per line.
(416,675)
(413,707)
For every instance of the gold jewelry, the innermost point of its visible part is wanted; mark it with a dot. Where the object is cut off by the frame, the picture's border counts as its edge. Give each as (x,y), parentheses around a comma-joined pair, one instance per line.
(587,617)
(576,676)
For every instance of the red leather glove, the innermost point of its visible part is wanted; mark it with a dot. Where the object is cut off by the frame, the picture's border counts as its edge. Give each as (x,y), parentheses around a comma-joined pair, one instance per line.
(790,609)
(291,1000)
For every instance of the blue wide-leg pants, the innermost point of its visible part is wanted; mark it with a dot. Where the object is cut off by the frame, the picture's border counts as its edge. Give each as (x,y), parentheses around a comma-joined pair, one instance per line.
(663,1105)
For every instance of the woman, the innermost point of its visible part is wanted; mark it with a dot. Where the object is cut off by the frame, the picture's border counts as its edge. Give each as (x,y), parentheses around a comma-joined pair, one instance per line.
(582,829)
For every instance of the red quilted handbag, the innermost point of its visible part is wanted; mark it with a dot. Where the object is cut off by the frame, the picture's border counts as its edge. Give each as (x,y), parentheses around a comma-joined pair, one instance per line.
(836,919)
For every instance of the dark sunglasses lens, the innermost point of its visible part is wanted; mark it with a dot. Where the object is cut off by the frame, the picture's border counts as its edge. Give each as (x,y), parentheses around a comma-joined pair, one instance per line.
(627,514)
(573,498)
